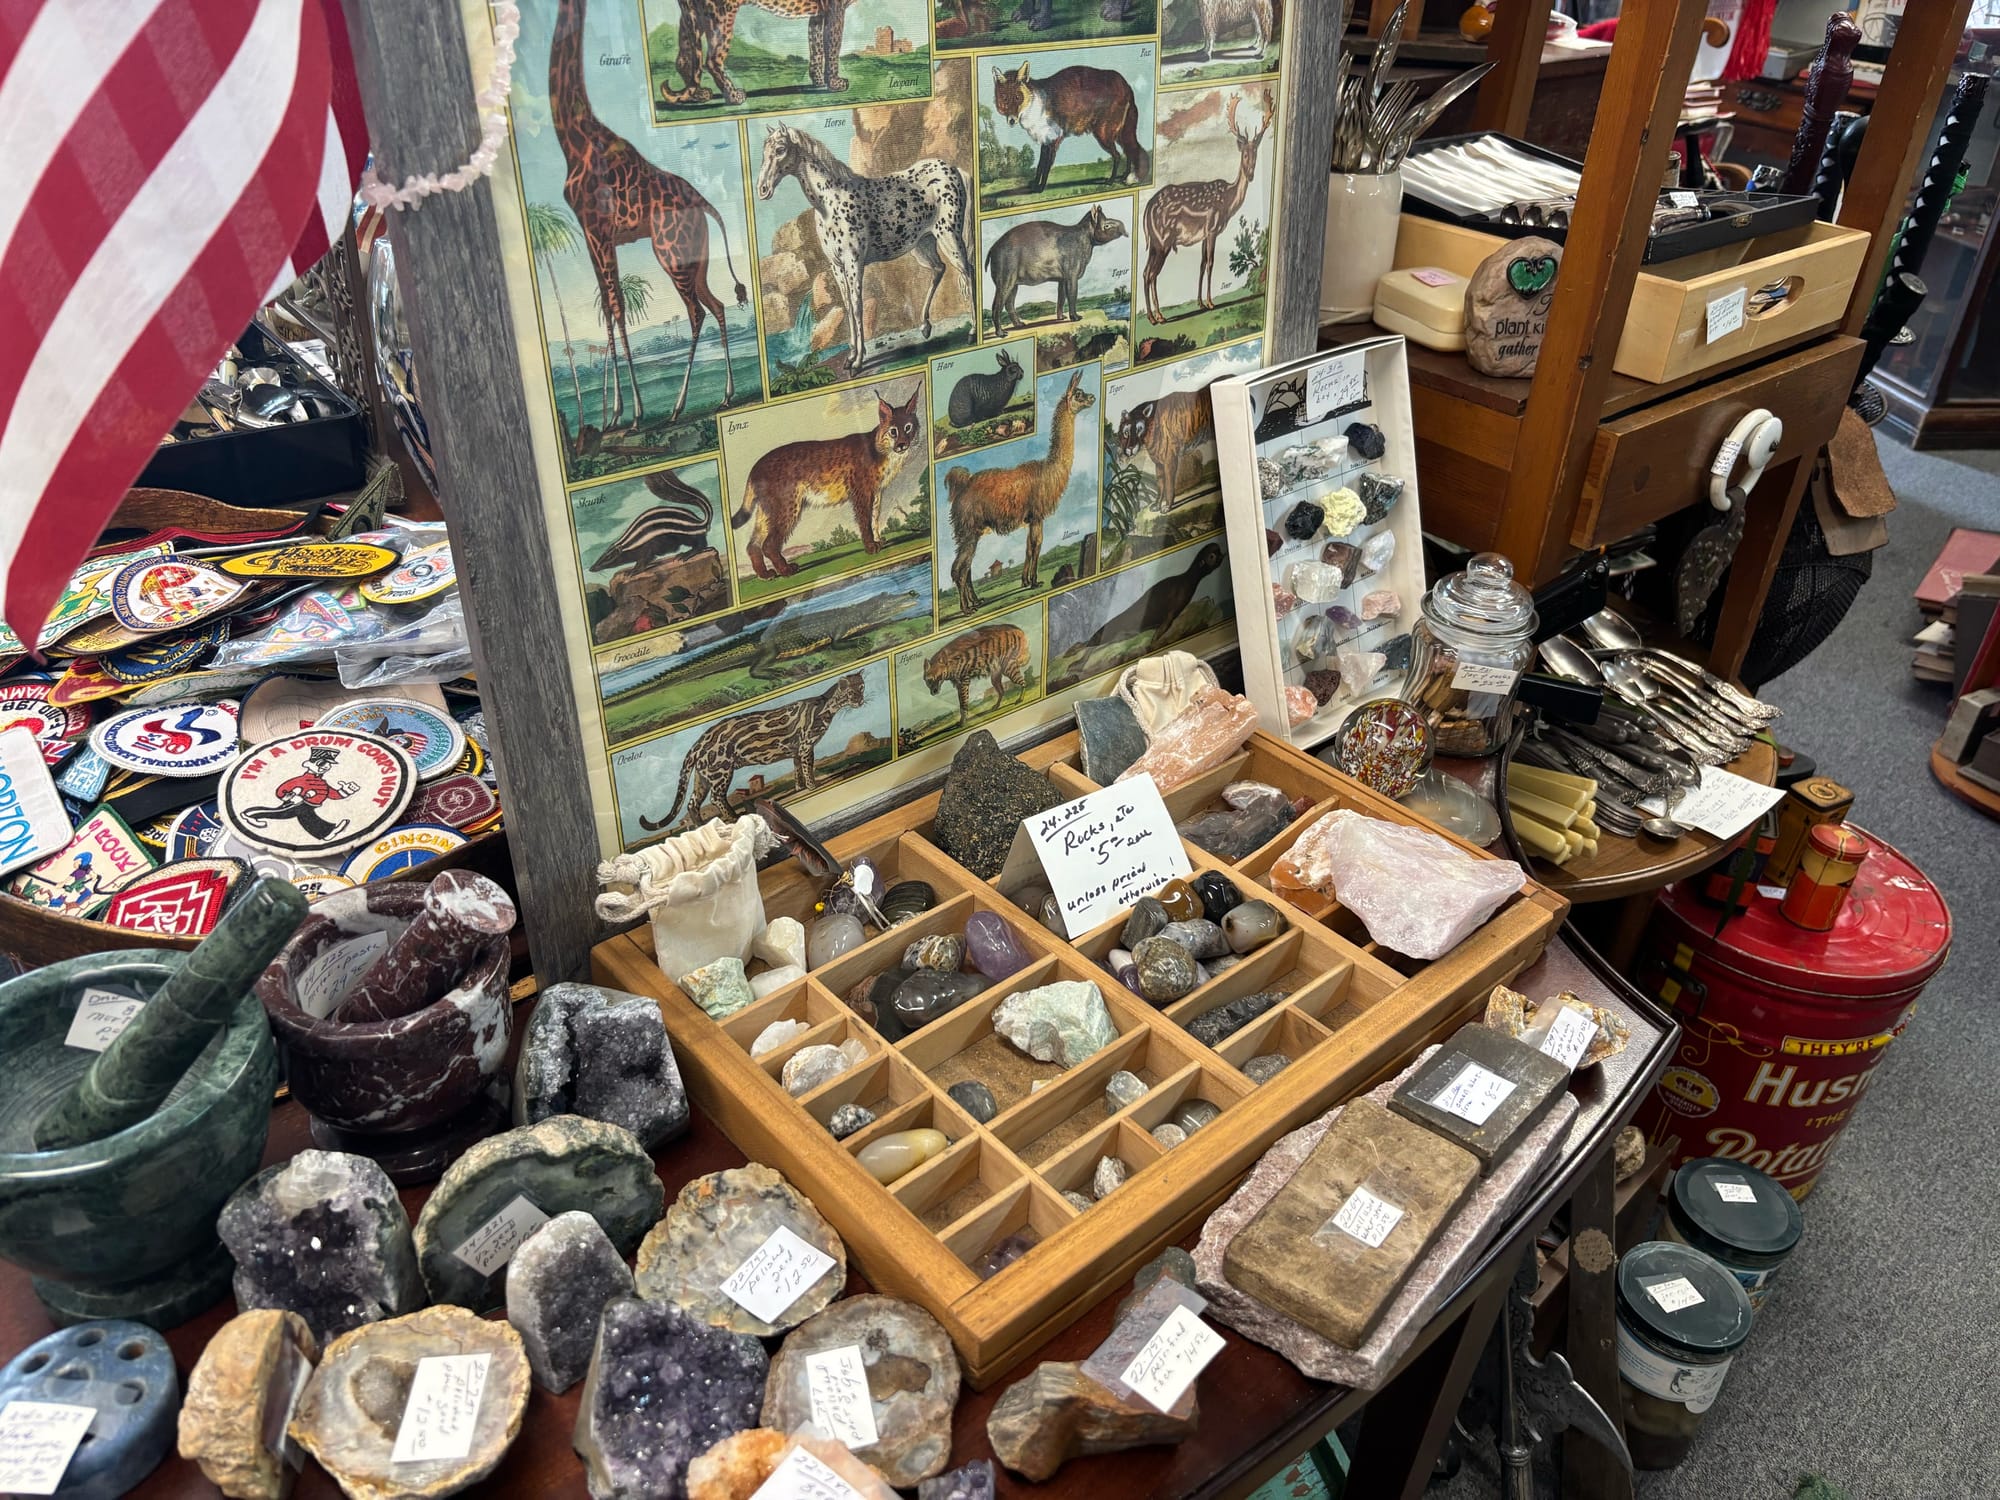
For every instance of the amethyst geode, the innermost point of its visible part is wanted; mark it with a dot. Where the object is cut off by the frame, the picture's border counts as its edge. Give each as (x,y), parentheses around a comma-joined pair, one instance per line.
(664,1387)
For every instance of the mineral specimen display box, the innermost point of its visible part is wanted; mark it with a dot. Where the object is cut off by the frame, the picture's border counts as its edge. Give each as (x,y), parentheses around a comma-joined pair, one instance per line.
(1353,1013)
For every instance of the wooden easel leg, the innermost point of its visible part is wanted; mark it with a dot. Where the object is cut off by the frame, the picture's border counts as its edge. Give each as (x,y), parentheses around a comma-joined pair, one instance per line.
(1774,504)
(1589,1471)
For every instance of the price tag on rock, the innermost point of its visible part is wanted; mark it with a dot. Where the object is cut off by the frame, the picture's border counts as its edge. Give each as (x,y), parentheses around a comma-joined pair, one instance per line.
(443,1408)
(1367,1218)
(1166,1366)
(1335,383)
(1734,1190)
(492,1244)
(1680,198)
(100,1017)
(1674,1293)
(37,1441)
(1725,314)
(803,1477)
(776,1275)
(1474,1094)
(837,1381)
(1570,1037)
(1101,852)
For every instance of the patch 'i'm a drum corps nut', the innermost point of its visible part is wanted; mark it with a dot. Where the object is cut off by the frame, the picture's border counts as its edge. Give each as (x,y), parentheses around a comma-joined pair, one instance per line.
(317,792)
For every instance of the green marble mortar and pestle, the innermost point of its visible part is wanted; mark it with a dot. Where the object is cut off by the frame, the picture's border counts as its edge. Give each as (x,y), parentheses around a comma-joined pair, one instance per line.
(115,1163)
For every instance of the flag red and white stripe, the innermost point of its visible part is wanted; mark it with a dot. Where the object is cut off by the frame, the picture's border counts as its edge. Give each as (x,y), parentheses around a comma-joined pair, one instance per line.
(167,163)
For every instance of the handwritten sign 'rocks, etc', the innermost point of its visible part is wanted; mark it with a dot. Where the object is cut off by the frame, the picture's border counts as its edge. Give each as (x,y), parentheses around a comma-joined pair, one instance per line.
(1101,852)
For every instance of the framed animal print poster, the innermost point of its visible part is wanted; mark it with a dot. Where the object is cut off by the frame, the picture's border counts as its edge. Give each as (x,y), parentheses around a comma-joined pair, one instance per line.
(866,347)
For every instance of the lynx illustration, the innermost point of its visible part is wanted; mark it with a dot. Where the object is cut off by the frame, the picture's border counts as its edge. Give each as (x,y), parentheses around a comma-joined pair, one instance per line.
(825,471)
(1074,101)
(996,652)
(709,26)
(1004,500)
(764,736)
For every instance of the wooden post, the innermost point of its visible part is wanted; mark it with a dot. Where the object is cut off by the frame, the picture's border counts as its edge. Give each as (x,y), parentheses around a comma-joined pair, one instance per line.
(1898,141)
(1305,153)
(1643,84)
(1592,1346)
(416,85)
(1505,95)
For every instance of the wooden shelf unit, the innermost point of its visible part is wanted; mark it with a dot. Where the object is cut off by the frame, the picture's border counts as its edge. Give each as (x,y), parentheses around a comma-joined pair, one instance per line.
(1353,1014)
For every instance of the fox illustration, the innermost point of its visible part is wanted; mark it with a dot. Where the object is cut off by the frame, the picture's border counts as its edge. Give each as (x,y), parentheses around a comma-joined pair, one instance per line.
(1074,101)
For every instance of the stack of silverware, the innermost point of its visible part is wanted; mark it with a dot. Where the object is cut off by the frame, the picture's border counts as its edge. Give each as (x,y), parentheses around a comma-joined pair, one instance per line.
(1374,125)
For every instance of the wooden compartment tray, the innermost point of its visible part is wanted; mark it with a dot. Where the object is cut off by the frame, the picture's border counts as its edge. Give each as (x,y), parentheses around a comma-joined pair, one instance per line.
(1353,1013)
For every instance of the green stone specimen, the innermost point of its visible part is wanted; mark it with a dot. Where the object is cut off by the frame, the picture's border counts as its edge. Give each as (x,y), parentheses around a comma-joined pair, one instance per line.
(1064,1022)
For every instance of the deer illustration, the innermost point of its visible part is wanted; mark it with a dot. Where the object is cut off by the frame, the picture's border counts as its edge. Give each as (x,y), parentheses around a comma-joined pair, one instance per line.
(1195,213)
(1004,500)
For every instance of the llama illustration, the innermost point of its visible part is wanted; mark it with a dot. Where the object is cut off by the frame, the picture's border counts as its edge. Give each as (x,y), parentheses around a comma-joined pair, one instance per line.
(1004,500)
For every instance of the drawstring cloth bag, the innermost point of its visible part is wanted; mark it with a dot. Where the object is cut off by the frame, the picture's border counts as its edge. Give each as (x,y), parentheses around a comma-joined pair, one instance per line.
(700,888)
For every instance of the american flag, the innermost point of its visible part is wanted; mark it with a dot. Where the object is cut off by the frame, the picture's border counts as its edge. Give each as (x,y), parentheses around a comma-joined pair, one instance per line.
(168,165)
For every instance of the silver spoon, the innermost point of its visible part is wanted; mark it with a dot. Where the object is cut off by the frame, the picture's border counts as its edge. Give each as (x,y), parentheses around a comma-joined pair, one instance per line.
(1611,631)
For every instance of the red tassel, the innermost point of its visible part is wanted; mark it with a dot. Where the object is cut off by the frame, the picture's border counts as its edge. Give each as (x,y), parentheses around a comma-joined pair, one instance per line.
(1752,40)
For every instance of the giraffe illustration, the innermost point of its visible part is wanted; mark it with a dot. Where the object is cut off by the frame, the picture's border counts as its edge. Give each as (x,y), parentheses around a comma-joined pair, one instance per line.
(618,196)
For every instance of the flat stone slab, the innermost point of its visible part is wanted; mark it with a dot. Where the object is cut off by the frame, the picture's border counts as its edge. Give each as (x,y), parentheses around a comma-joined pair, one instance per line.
(563,1163)
(1307,1253)
(239,1399)
(353,1408)
(122,1371)
(912,1376)
(716,1224)
(557,1285)
(985,796)
(1483,1091)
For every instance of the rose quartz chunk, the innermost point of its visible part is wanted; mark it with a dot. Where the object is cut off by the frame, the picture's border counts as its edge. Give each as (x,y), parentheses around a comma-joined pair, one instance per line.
(1300,704)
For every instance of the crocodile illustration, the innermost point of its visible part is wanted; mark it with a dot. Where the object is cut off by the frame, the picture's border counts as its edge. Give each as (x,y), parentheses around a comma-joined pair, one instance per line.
(812,630)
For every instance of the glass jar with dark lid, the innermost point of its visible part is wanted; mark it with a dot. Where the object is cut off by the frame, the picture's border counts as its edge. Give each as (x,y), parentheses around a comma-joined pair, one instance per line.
(1467,653)
(1737,1214)
(1681,1318)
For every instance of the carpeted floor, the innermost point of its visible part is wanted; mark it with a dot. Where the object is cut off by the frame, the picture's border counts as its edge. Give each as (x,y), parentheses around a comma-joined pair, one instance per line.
(1876,1362)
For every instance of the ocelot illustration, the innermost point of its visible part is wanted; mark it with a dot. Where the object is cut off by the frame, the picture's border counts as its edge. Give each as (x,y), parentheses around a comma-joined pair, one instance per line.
(765,736)
(709,26)
(995,652)
(825,471)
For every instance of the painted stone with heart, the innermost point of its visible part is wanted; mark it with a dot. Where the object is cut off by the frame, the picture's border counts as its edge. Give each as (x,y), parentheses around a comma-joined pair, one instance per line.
(1507,304)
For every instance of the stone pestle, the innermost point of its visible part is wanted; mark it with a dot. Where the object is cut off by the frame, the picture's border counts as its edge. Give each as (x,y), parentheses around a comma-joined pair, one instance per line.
(462,912)
(132,1077)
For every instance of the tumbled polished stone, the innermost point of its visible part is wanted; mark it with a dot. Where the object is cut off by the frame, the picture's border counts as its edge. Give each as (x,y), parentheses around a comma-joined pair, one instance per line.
(1251,925)
(928,994)
(941,951)
(238,1396)
(1196,1113)
(1148,917)
(602,1054)
(1166,970)
(719,1221)
(1059,1413)
(809,1067)
(664,1387)
(1168,1134)
(1213,1026)
(781,944)
(719,987)
(1263,1068)
(912,1374)
(350,1413)
(889,1158)
(1108,1176)
(1178,900)
(975,1098)
(993,947)
(1064,1022)
(324,1236)
(1122,1088)
(123,1371)
(906,899)
(557,1285)
(849,1119)
(832,935)
(1201,937)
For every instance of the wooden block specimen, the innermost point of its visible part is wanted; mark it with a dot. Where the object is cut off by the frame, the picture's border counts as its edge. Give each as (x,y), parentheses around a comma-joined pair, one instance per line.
(1332,1248)
(1482,1090)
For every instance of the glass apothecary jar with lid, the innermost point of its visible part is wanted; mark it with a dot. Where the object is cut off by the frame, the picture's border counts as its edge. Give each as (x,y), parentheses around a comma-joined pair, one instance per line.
(1468,650)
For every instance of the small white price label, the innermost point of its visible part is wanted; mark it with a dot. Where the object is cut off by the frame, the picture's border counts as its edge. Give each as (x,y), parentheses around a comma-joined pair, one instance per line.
(837,1381)
(803,1477)
(1681,198)
(1725,313)
(1432,276)
(1771,892)
(492,1244)
(1477,677)
(1734,1190)
(328,978)
(1168,1362)
(1334,383)
(37,1441)
(443,1408)
(1673,1293)
(100,1017)
(1570,1037)
(1368,1218)
(776,1274)
(1474,1094)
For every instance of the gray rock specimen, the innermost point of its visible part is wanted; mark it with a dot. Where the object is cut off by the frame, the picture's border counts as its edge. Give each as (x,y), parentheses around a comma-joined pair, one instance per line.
(1122,1088)
(1167,971)
(1059,1413)
(975,1098)
(664,1387)
(848,1119)
(124,1372)
(976,1480)
(325,1236)
(1111,736)
(1064,1022)
(1108,1177)
(561,1164)
(1211,1026)
(1266,1066)
(557,1285)
(602,1054)
(1536,1082)
(913,1382)
(238,1396)
(717,1223)
(1200,937)
(986,795)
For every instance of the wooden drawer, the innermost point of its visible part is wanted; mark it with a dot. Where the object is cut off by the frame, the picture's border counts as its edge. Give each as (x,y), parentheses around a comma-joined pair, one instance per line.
(1665,336)
(1654,461)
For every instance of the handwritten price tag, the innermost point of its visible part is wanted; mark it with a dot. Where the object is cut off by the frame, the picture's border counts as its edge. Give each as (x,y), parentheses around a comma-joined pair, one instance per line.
(1334,383)
(804,1477)
(37,1441)
(1474,1094)
(776,1275)
(100,1016)
(1725,314)
(1731,1190)
(1477,677)
(1105,850)
(1674,1293)
(492,1244)
(328,978)
(837,1381)
(1368,1218)
(1570,1037)
(1723,805)
(443,1407)
(1167,1364)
